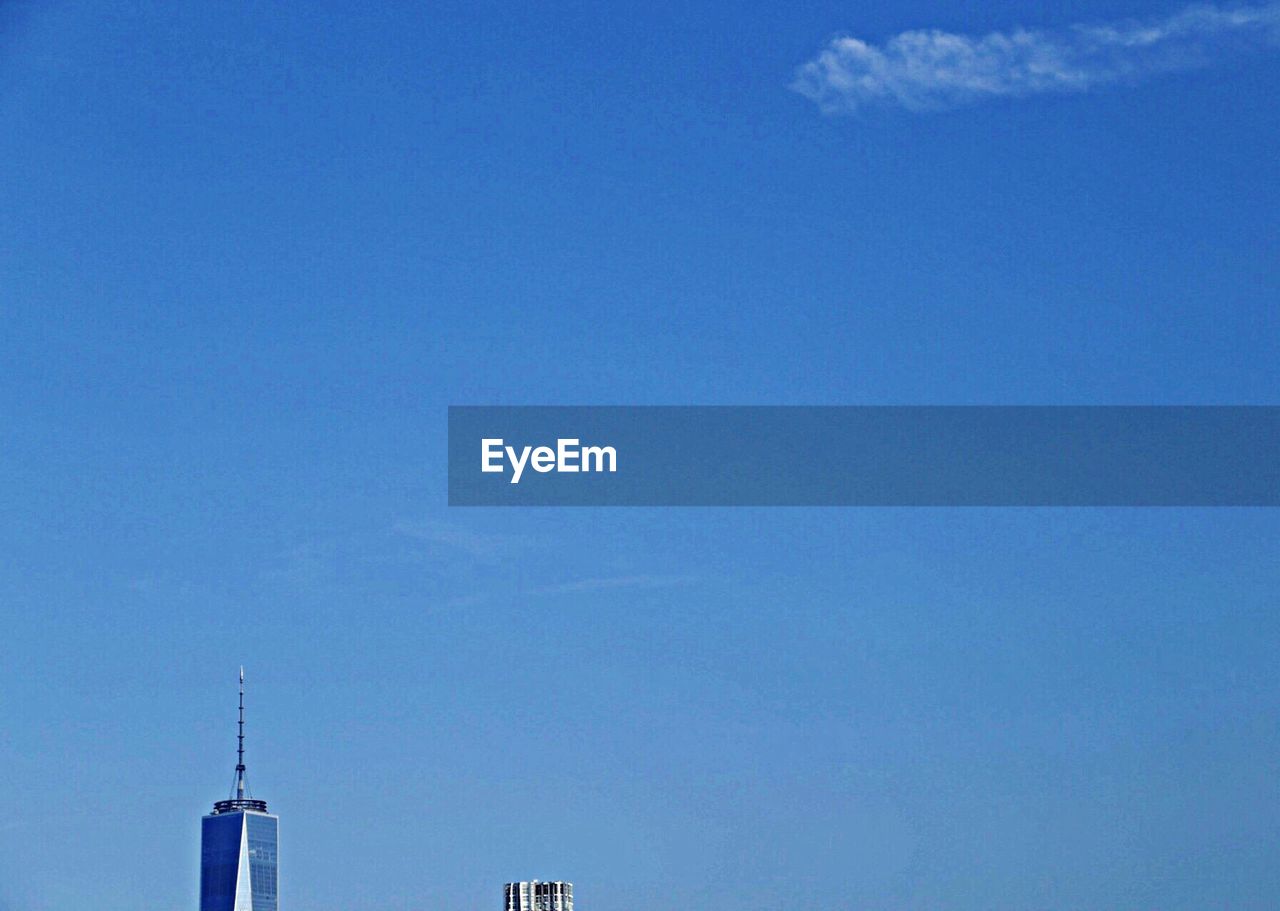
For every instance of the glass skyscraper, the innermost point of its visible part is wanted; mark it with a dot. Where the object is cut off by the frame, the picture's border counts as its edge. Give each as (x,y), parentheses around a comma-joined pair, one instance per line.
(539,896)
(239,845)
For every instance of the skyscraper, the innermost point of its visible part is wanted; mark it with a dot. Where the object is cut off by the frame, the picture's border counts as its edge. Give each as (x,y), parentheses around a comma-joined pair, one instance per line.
(537,896)
(238,846)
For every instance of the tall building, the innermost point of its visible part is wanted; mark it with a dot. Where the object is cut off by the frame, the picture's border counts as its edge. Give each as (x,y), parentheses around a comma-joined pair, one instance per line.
(537,896)
(238,846)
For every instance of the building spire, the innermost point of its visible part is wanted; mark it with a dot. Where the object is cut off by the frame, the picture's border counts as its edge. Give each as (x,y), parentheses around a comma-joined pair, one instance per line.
(240,743)
(240,798)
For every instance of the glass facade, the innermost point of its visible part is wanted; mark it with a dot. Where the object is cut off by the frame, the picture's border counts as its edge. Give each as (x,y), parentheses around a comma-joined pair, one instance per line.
(539,896)
(219,861)
(238,862)
(263,836)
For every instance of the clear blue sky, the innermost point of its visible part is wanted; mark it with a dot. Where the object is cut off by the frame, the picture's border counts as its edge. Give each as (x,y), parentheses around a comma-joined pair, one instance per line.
(247,258)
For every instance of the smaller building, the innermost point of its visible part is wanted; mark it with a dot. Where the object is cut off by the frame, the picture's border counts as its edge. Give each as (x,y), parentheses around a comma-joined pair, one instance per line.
(539,896)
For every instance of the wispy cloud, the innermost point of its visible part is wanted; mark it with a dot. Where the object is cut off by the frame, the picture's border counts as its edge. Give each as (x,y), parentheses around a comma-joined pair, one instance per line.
(590,585)
(450,536)
(606,583)
(930,69)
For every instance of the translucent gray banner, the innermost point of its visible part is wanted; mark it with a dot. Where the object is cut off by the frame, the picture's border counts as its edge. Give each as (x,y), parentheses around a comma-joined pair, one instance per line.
(864,456)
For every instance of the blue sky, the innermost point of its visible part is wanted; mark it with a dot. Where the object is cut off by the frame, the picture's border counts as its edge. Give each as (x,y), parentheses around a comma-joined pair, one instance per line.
(247,258)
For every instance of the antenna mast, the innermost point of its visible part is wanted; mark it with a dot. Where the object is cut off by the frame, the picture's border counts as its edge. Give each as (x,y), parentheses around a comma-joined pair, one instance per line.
(239,800)
(240,743)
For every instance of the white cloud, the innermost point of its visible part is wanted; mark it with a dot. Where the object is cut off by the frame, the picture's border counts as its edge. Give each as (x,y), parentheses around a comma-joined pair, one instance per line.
(930,69)
(614,582)
(449,535)
(592,585)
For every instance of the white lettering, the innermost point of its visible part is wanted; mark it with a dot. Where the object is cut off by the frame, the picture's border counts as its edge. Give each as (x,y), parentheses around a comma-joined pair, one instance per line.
(599,453)
(490,450)
(568,456)
(517,462)
(544,459)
